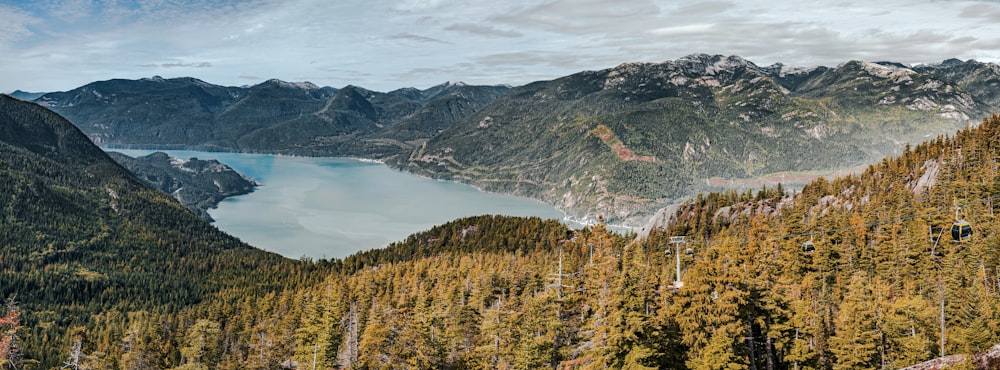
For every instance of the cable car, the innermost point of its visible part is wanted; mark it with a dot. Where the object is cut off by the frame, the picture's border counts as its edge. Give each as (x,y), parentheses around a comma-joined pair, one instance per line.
(689,251)
(961,231)
(808,246)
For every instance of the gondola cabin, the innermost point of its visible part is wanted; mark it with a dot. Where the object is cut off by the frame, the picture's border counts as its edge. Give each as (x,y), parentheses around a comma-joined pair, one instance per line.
(808,246)
(961,231)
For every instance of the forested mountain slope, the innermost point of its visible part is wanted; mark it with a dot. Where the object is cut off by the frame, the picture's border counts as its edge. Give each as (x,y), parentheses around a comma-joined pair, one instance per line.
(627,140)
(877,289)
(274,116)
(83,244)
(620,142)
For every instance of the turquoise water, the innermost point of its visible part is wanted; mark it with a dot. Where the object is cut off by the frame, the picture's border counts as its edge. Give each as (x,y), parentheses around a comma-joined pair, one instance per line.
(333,207)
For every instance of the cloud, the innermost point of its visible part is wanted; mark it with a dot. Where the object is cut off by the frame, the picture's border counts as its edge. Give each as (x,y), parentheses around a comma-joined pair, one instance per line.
(417,38)
(418,5)
(177,64)
(688,29)
(987,12)
(524,59)
(15,24)
(385,44)
(70,10)
(349,72)
(703,10)
(586,16)
(481,30)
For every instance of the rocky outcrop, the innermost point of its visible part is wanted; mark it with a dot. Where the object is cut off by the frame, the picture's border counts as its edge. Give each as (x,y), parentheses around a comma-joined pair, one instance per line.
(986,360)
(197,184)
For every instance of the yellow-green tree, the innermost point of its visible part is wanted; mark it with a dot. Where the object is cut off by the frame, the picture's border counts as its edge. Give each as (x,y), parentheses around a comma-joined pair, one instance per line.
(856,339)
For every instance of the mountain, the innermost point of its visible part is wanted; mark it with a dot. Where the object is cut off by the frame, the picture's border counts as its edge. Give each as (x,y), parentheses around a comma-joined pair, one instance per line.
(620,142)
(982,80)
(197,184)
(853,272)
(24,95)
(625,141)
(112,274)
(85,244)
(444,105)
(274,116)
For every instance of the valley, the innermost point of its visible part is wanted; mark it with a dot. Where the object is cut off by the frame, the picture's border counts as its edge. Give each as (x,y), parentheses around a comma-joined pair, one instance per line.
(620,143)
(132,279)
(128,276)
(635,185)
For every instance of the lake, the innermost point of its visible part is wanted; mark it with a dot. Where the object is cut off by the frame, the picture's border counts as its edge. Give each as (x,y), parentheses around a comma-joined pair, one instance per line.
(333,207)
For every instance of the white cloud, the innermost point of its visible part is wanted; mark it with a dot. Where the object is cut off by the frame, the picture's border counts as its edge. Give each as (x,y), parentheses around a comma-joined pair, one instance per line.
(483,30)
(387,44)
(14,25)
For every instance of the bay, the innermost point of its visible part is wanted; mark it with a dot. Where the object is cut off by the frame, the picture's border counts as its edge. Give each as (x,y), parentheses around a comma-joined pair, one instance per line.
(334,207)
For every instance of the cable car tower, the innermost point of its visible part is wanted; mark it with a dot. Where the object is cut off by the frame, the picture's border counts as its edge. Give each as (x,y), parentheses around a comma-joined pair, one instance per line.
(677,241)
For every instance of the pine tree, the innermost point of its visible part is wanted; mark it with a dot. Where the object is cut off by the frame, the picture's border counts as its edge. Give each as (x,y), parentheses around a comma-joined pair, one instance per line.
(855,341)
(201,343)
(708,308)
(630,320)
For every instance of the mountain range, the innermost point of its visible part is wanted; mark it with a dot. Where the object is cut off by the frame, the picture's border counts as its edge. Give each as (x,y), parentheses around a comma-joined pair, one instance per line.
(627,140)
(112,274)
(274,116)
(620,142)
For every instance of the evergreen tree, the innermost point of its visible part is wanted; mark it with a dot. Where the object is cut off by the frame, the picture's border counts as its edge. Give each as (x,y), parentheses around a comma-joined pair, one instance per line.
(201,343)
(855,341)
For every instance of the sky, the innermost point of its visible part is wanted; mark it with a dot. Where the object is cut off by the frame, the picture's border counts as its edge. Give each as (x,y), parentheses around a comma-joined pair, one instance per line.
(58,45)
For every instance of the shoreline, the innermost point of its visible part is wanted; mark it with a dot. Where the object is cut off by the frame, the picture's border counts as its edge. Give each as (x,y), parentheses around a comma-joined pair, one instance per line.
(567,219)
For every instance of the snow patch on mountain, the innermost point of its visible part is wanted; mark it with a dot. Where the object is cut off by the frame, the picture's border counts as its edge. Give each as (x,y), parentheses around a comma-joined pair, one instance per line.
(885,71)
(293,85)
(794,70)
